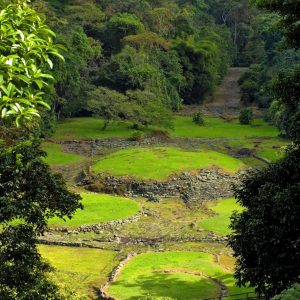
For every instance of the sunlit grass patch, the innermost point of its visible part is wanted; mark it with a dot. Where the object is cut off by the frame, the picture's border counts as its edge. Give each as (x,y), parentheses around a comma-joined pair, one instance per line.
(269,148)
(99,208)
(79,269)
(160,162)
(218,128)
(220,222)
(178,275)
(91,128)
(56,156)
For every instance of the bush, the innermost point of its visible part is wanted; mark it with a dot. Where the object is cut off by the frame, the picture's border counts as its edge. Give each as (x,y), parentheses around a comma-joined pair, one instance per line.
(246,116)
(137,136)
(292,293)
(198,119)
(249,90)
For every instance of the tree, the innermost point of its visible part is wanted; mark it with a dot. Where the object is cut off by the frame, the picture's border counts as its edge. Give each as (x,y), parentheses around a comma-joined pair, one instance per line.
(290,15)
(108,104)
(265,237)
(147,108)
(246,116)
(198,118)
(29,193)
(26,46)
(130,69)
(72,78)
(36,196)
(287,90)
(203,61)
(141,108)
(118,27)
(292,293)
(23,274)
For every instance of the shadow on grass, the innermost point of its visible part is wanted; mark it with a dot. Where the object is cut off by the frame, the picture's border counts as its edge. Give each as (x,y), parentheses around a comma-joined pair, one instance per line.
(177,285)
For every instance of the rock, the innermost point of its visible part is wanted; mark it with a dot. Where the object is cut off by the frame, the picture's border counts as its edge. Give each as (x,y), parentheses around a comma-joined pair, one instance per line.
(244,152)
(206,185)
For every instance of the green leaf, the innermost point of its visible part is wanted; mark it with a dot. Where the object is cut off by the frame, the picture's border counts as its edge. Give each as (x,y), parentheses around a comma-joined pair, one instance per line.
(50,63)
(24,78)
(39,83)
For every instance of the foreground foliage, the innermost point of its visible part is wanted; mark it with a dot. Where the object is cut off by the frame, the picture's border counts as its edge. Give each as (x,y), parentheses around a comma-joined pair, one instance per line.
(26,48)
(30,195)
(292,293)
(270,221)
(266,235)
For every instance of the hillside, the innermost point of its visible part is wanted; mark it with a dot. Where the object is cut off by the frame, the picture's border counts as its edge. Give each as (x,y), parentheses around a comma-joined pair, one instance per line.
(180,180)
(149,149)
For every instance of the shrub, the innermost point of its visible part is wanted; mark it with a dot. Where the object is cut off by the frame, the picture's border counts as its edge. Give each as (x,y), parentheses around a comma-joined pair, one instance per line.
(198,119)
(137,136)
(292,293)
(249,90)
(246,116)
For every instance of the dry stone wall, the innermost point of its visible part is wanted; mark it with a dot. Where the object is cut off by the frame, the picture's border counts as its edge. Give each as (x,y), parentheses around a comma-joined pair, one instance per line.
(190,187)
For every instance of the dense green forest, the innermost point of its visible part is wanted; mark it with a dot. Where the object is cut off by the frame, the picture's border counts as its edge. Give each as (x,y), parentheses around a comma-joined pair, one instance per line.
(152,147)
(149,56)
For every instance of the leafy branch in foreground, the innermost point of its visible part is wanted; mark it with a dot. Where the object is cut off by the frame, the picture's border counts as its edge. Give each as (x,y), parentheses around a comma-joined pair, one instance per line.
(29,195)
(26,48)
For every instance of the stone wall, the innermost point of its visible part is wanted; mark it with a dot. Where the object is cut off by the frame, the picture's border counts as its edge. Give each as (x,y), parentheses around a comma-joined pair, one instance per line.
(108,145)
(97,228)
(200,185)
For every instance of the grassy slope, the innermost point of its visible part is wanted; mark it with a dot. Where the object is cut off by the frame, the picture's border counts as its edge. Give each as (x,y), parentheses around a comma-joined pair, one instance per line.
(99,208)
(55,155)
(219,223)
(144,275)
(79,269)
(219,128)
(160,162)
(271,148)
(89,128)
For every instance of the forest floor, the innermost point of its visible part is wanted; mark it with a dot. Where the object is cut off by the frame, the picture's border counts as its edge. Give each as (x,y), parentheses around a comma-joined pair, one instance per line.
(177,248)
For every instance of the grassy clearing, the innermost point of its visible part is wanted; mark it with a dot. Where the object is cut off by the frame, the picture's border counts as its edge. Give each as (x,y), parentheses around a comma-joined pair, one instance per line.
(79,269)
(56,156)
(91,128)
(99,208)
(219,128)
(220,223)
(271,148)
(172,274)
(160,162)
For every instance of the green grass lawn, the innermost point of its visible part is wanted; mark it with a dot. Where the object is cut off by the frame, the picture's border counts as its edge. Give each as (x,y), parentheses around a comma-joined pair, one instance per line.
(269,148)
(91,128)
(172,274)
(79,269)
(160,162)
(219,128)
(99,208)
(56,156)
(219,223)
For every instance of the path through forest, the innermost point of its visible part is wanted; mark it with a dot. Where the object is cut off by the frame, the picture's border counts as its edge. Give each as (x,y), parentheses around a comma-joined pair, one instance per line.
(226,100)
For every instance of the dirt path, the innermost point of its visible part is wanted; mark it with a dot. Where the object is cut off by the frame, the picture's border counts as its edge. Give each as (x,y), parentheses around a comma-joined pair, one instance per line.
(226,101)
